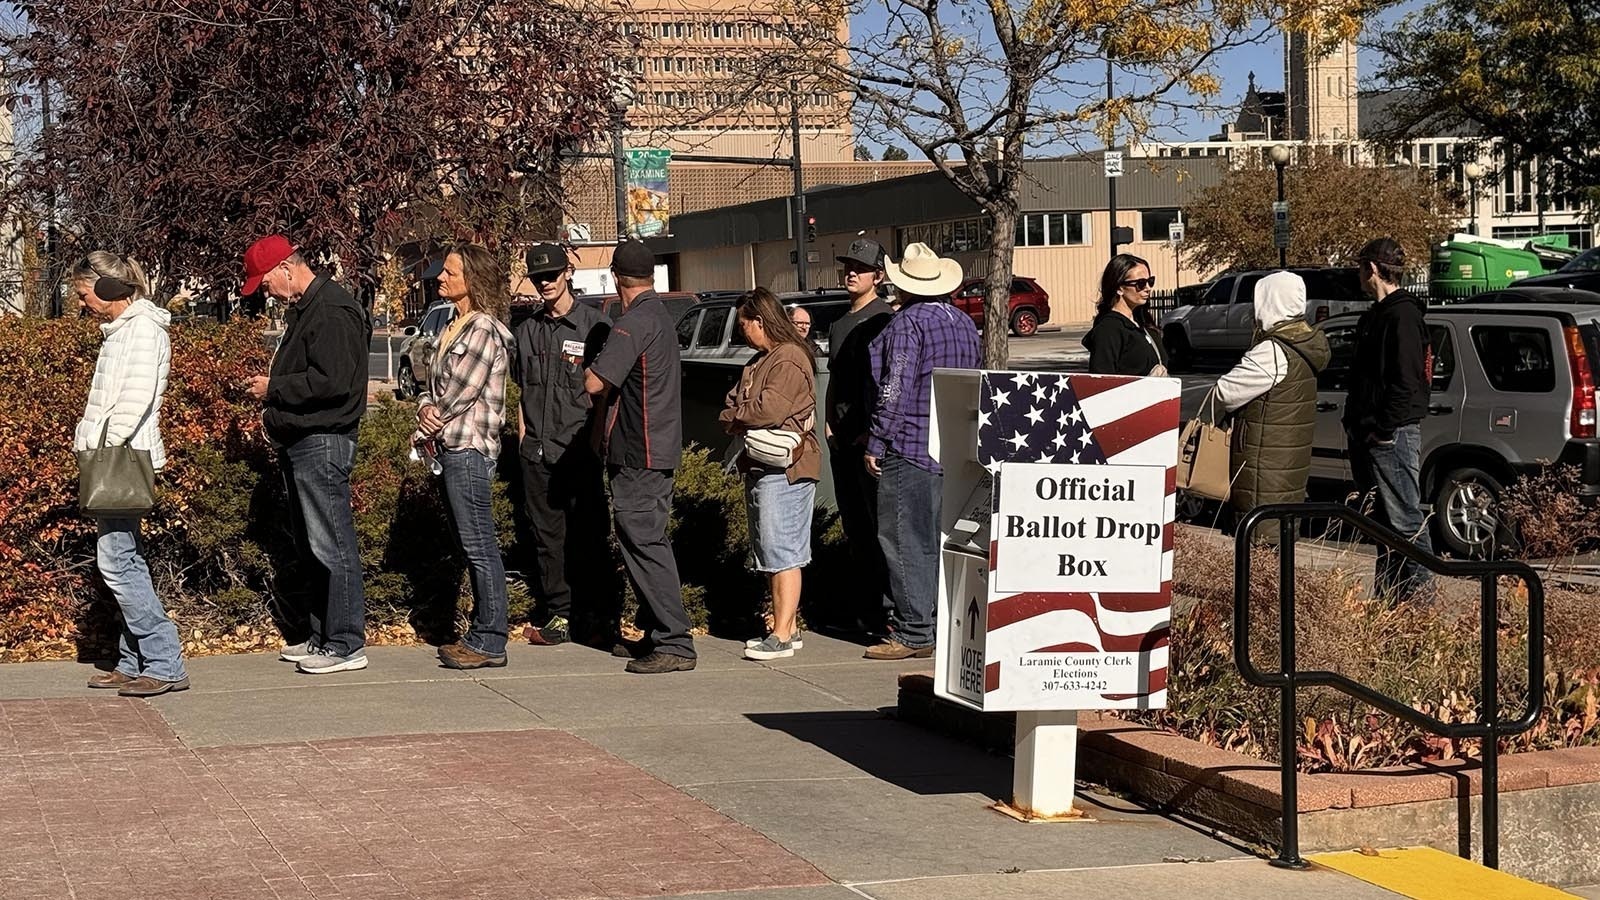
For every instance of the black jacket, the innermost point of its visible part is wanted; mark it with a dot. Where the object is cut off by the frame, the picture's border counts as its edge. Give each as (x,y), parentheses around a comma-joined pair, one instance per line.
(1389,377)
(318,382)
(1118,346)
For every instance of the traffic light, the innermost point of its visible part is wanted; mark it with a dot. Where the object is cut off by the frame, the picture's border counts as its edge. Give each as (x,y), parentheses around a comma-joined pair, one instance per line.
(811,229)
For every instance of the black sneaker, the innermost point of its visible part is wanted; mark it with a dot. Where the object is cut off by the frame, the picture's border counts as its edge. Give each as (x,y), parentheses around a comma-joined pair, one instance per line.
(659,663)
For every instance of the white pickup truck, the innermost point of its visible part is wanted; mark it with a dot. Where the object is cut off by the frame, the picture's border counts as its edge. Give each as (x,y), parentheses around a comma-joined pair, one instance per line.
(1223,321)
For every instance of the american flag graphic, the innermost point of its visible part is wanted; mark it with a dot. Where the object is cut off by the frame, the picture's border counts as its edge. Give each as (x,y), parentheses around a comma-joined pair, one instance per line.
(1090,420)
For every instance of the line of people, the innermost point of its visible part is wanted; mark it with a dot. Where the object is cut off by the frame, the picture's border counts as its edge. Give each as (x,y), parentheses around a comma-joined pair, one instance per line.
(600,405)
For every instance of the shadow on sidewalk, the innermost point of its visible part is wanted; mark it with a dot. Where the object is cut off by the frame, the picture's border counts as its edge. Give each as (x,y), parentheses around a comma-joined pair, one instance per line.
(902,755)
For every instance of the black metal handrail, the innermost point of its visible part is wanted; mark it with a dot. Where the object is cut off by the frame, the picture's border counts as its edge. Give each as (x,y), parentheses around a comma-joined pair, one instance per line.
(1288,679)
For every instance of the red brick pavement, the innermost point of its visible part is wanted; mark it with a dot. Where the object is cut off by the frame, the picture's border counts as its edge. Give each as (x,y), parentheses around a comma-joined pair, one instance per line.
(99,799)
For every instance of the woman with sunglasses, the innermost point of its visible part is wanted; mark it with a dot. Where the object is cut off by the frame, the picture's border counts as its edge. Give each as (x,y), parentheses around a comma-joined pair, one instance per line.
(1123,340)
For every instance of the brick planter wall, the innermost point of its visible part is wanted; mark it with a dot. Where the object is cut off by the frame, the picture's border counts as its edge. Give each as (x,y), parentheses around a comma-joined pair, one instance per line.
(1549,800)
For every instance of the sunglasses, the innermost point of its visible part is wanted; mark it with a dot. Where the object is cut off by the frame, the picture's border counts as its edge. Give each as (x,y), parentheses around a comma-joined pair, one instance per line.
(1140,284)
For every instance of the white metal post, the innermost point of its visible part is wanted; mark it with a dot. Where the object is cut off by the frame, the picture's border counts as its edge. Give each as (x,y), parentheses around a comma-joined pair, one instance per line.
(1045,768)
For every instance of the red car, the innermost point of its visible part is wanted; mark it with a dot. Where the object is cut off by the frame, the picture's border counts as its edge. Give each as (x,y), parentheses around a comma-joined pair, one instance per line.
(1030,305)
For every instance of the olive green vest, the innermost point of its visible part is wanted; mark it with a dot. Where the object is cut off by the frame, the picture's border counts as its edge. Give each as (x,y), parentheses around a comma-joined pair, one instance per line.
(1272,434)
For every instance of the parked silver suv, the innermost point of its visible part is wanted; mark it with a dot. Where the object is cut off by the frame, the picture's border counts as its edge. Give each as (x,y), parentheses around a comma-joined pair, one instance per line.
(1513,389)
(416,353)
(1221,320)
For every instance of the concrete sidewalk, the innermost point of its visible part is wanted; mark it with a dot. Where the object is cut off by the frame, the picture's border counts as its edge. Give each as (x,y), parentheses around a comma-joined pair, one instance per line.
(558,776)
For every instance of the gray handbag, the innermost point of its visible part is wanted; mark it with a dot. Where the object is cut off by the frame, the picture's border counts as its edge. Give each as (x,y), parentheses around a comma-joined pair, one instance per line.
(115,482)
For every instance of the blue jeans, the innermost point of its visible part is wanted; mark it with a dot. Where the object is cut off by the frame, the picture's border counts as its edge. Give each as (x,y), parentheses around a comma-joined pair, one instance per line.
(909,503)
(149,642)
(468,486)
(1393,472)
(317,476)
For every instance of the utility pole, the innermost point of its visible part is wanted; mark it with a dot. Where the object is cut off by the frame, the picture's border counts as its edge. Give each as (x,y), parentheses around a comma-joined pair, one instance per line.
(1111,183)
(619,169)
(799,225)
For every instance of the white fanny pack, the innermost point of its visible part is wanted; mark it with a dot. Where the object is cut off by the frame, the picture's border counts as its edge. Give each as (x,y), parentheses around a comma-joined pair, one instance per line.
(775,447)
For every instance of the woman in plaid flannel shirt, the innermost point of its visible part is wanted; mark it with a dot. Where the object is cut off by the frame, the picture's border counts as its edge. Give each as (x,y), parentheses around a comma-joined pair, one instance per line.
(459,420)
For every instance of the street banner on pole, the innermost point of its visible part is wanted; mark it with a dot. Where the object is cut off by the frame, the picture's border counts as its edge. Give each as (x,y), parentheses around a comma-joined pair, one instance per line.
(648,208)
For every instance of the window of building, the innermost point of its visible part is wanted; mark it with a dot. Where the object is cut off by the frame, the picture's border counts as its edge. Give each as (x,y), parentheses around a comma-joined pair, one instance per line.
(1517,358)
(964,235)
(1579,236)
(1153,223)
(1054,229)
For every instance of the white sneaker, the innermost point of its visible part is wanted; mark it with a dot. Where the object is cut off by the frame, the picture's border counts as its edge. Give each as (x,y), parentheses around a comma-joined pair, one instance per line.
(324,663)
(296,652)
(797,642)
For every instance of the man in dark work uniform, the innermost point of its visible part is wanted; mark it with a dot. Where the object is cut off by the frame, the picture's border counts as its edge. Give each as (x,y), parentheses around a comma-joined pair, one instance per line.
(563,484)
(638,376)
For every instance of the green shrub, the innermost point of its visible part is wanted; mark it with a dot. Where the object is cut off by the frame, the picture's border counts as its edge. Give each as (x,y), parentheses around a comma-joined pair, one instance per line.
(218,543)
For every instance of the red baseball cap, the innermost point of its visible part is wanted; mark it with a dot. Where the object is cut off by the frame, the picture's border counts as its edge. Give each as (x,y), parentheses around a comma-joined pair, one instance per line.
(263,256)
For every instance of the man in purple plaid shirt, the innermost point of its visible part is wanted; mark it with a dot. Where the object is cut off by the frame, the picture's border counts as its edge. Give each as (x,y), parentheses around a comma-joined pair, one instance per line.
(926,334)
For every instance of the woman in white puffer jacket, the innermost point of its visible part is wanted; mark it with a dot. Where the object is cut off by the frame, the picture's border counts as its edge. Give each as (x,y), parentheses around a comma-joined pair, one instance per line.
(124,406)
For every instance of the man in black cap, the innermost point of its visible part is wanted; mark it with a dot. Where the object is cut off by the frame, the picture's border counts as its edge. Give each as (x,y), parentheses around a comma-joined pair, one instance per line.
(562,481)
(849,415)
(643,438)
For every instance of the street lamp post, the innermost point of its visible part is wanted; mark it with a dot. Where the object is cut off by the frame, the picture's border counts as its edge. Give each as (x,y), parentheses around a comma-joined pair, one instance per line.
(1473,171)
(621,99)
(1280,155)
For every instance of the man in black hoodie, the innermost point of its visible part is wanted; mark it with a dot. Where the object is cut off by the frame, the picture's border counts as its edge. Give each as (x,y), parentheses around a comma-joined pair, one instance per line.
(313,402)
(1388,397)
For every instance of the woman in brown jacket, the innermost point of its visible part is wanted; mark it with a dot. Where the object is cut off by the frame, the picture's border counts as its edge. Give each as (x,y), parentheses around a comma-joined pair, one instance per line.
(776,392)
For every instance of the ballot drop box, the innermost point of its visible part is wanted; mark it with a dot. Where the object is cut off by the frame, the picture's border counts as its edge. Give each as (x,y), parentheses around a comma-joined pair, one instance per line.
(1055,577)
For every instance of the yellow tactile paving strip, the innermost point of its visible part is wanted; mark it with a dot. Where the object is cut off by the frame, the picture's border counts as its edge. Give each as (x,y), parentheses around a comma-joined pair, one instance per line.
(1423,873)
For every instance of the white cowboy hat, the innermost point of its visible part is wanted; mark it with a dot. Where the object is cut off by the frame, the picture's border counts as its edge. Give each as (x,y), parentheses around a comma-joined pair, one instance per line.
(923,273)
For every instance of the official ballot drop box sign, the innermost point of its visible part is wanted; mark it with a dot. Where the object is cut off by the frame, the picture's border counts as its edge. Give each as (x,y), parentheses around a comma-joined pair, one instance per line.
(1055,578)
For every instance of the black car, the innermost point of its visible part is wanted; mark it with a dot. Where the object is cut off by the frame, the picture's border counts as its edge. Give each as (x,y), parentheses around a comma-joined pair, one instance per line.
(1523,292)
(1582,272)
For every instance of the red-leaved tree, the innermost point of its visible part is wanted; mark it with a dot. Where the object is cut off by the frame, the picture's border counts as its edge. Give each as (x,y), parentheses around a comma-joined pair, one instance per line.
(183,131)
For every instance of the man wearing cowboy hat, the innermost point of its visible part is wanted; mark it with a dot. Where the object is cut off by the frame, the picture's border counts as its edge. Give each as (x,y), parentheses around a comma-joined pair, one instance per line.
(926,334)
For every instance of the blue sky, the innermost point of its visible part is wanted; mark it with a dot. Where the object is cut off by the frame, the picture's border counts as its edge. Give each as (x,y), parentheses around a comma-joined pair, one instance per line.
(1233,68)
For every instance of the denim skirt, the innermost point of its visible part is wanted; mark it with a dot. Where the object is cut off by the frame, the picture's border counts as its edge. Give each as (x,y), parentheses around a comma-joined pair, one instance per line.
(779,514)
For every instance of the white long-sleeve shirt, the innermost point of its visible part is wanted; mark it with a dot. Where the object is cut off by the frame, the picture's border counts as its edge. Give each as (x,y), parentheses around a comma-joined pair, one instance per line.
(1262,369)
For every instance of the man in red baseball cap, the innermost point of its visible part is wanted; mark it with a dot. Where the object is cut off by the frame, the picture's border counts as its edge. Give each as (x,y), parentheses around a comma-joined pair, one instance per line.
(312,402)
(265,255)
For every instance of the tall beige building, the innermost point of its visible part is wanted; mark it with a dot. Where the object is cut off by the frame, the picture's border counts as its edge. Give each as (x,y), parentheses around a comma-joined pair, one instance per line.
(1322,90)
(693,94)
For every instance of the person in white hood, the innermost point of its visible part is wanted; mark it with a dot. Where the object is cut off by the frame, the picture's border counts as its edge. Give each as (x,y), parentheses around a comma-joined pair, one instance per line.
(1272,393)
(130,377)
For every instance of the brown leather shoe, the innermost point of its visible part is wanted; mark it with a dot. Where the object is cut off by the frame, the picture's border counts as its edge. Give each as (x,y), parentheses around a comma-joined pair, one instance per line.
(113,679)
(893,649)
(460,656)
(145,686)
